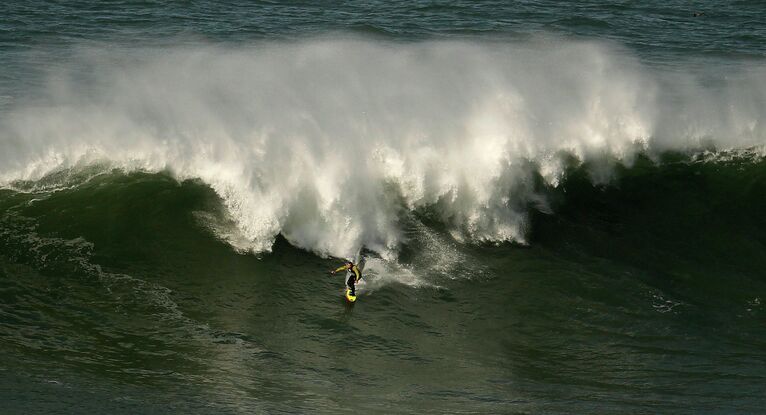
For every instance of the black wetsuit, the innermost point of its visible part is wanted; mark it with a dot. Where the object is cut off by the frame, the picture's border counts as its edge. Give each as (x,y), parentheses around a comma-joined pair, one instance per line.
(351,281)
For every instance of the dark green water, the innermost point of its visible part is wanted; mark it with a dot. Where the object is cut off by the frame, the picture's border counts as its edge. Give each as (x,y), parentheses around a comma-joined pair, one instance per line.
(564,205)
(643,296)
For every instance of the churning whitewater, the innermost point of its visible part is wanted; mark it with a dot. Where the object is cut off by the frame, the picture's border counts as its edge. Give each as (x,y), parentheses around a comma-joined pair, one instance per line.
(561,207)
(330,141)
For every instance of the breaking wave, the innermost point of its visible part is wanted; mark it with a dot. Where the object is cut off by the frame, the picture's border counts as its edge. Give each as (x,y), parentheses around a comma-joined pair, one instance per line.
(332,142)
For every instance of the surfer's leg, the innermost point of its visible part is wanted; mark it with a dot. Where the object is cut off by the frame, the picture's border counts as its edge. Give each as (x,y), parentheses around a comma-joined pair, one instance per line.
(350,284)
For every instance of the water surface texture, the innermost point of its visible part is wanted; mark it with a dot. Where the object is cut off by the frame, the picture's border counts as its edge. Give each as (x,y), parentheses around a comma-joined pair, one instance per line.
(562,206)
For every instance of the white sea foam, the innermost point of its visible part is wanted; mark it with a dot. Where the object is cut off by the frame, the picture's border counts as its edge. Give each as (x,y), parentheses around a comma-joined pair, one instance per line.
(327,141)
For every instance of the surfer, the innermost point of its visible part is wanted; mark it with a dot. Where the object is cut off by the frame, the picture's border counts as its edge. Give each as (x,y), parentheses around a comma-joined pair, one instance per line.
(353,278)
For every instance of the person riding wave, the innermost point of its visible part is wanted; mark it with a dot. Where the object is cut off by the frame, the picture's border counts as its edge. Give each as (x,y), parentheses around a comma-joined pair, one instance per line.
(353,278)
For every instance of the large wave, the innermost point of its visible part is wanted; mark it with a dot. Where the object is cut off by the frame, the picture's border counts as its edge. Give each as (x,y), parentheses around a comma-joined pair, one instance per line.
(330,142)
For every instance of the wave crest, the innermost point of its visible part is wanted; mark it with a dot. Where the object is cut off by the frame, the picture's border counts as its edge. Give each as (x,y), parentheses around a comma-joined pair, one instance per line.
(329,141)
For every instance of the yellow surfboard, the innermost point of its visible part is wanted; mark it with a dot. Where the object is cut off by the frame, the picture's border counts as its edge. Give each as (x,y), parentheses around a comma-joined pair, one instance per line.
(350,298)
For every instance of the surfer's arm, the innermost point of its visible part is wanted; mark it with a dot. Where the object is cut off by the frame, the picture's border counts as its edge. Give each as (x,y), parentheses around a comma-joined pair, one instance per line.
(341,268)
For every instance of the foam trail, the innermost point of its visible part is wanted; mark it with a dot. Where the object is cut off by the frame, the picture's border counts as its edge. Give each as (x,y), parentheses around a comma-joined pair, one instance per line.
(327,141)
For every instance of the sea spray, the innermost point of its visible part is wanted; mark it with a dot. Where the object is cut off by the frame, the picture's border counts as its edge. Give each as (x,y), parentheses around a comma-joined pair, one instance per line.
(328,141)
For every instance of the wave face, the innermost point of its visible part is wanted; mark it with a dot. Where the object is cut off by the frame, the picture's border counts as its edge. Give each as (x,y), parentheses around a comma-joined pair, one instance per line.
(332,142)
(111,275)
(655,215)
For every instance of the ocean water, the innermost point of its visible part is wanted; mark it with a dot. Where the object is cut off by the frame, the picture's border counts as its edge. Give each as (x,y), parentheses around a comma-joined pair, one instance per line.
(561,204)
